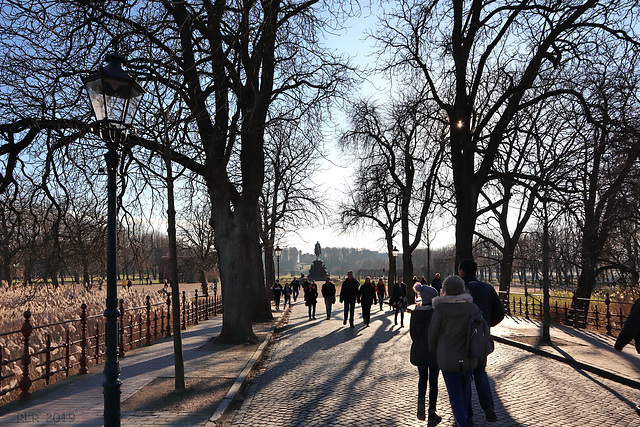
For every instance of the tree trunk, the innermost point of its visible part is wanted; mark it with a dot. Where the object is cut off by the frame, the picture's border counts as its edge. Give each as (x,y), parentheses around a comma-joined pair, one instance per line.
(175,289)
(546,316)
(407,274)
(506,269)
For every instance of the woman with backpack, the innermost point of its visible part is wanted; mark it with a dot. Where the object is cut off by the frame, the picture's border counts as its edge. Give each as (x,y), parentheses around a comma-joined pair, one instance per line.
(448,339)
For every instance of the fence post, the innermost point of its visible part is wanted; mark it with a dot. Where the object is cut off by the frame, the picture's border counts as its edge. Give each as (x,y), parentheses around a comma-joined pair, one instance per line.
(97,356)
(207,306)
(621,318)
(83,340)
(586,314)
(215,300)
(67,357)
(155,324)
(526,304)
(607,303)
(47,360)
(574,309)
(148,320)
(184,310)
(196,316)
(596,315)
(25,381)
(168,316)
(121,345)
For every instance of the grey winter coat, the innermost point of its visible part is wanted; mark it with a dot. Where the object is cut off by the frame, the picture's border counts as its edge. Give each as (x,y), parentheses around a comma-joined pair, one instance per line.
(448,332)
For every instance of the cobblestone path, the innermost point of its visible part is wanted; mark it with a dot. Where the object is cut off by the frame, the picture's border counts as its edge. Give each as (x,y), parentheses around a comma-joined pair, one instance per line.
(321,373)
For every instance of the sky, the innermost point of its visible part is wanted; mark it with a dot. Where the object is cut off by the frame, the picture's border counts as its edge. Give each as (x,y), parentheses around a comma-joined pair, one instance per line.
(335,177)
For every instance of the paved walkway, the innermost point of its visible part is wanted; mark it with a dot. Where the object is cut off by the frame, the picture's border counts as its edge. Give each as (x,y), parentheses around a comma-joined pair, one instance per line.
(323,373)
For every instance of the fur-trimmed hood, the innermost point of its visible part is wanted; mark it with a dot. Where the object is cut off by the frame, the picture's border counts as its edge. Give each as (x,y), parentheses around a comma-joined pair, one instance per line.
(452,299)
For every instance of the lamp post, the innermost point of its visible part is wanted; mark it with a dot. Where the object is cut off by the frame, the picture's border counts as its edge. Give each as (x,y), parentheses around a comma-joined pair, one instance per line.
(395,253)
(278,252)
(114,97)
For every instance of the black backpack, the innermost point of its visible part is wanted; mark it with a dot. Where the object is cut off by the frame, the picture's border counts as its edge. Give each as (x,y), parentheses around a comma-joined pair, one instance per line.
(479,343)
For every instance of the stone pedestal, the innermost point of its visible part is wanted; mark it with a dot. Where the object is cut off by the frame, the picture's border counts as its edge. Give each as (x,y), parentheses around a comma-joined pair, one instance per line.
(318,271)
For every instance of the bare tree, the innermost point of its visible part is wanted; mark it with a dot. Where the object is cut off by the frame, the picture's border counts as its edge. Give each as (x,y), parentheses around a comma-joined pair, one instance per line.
(407,144)
(471,60)
(289,198)
(228,62)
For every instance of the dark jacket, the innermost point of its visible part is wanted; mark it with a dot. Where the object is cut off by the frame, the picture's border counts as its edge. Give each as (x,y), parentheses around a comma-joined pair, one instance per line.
(277,290)
(311,296)
(349,290)
(419,332)
(448,332)
(286,291)
(295,285)
(328,290)
(631,329)
(437,284)
(367,293)
(487,300)
(399,291)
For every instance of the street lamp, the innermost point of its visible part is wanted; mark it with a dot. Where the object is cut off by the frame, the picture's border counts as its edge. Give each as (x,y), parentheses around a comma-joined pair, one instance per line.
(278,252)
(114,96)
(394,252)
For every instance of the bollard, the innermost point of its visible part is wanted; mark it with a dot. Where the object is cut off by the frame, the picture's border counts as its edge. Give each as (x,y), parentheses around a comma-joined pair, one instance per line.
(25,381)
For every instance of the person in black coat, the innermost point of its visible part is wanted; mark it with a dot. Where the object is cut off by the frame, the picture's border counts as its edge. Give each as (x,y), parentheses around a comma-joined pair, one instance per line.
(311,298)
(425,360)
(329,295)
(348,296)
(367,297)
(399,300)
(630,331)
(295,287)
(276,290)
(436,283)
(488,301)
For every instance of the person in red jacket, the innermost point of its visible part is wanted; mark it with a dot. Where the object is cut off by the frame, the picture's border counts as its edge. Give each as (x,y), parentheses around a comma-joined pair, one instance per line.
(381,290)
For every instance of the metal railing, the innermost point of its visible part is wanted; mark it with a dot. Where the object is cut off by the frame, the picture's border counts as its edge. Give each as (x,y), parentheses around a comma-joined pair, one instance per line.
(74,345)
(572,311)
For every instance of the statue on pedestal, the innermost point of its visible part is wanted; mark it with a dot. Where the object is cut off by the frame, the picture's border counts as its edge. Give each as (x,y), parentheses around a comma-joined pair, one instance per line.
(318,270)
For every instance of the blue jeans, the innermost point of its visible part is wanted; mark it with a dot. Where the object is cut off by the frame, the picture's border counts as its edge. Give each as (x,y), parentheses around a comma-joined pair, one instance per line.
(349,308)
(296,292)
(459,389)
(426,373)
(482,386)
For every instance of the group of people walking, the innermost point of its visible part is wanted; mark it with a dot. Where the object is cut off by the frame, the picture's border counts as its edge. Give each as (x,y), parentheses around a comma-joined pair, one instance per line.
(439,333)
(351,292)
(438,330)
